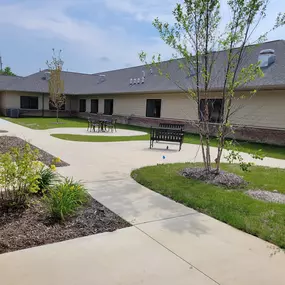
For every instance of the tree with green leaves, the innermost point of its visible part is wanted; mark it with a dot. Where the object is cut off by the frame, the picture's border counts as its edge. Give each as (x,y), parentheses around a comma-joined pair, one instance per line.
(7,71)
(197,38)
(57,97)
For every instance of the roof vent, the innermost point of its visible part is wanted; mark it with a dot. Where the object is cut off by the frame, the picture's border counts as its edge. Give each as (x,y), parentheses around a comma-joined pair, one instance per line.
(131,81)
(46,75)
(266,57)
(135,81)
(151,71)
(143,73)
(138,80)
(142,80)
(102,78)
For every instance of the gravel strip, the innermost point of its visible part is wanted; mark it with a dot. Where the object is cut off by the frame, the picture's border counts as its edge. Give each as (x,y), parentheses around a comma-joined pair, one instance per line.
(7,142)
(267,196)
(20,230)
(224,178)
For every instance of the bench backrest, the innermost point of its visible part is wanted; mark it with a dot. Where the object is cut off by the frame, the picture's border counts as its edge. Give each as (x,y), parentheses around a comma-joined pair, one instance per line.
(171,126)
(174,135)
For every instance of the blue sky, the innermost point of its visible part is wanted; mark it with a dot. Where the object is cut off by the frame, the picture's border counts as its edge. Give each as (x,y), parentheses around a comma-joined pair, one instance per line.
(94,35)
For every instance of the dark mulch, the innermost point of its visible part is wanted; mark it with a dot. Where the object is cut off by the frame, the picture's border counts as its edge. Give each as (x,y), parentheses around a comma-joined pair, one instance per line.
(31,227)
(3,131)
(7,142)
(223,178)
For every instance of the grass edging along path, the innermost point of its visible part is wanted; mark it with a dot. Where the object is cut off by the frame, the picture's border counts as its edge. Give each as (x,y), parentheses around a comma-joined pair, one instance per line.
(83,138)
(234,207)
(50,123)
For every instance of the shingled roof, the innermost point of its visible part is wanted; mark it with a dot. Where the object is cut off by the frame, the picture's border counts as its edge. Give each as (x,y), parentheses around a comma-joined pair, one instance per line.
(118,81)
(6,80)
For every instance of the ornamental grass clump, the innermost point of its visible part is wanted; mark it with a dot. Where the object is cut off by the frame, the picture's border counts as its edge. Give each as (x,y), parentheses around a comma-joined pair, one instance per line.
(48,176)
(65,199)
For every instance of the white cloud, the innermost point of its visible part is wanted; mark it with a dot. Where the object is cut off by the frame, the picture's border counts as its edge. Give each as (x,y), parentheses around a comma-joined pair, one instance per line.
(146,10)
(84,38)
(91,40)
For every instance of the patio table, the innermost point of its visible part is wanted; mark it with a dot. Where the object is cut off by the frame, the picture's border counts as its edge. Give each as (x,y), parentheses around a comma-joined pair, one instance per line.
(103,123)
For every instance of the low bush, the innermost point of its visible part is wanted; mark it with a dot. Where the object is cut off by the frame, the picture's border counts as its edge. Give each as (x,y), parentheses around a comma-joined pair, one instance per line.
(18,176)
(47,178)
(65,199)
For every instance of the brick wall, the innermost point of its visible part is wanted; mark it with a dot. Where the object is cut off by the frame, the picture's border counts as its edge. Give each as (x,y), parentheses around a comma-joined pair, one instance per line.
(39,113)
(253,134)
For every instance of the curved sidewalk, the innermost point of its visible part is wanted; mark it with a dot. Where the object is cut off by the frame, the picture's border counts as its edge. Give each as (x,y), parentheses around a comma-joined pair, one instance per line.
(168,243)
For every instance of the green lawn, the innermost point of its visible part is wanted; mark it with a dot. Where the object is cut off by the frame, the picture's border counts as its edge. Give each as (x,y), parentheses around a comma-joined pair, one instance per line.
(49,123)
(234,207)
(80,138)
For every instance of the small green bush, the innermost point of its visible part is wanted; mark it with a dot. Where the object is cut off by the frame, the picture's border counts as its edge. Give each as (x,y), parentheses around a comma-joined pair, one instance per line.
(47,178)
(18,176)
(65,198)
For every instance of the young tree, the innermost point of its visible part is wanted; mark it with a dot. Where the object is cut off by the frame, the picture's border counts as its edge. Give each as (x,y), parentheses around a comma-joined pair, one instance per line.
(7,71)
(56,85)
(197,38)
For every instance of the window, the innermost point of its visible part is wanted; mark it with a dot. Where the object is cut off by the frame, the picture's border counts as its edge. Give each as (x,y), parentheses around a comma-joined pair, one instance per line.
(108,106)
(94,106)
(153,108)
(53,108)
(214,111)
(29,102)
(82,105)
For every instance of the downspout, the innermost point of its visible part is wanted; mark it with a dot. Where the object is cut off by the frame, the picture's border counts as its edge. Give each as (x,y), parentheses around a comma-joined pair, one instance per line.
(43,104)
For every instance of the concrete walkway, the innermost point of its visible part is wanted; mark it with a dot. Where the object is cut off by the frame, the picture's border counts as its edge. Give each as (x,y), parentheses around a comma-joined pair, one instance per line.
(168,243)
(84,132)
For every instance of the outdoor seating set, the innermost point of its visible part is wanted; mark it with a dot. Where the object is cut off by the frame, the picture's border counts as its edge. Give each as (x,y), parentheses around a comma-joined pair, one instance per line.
(167,132)
(102,125)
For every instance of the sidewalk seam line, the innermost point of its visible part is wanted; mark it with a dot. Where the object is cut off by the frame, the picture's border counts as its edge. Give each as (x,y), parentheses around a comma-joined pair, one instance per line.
(177,255)
(165,219)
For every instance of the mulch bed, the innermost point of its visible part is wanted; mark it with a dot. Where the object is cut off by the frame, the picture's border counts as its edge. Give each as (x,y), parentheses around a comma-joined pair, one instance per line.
(223,178)
(31,227)
(7,142)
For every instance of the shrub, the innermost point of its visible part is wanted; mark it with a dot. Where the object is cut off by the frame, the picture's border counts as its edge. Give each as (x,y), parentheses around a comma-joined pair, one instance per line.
(65,198)
(47,178)
(18,176)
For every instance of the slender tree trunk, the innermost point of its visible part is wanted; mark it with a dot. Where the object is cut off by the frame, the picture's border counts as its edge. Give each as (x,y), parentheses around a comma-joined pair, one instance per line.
(57,115)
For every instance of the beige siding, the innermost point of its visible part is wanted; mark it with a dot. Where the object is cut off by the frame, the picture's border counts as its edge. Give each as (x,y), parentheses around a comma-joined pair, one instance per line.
(176,106)
(12,100)
(265,109)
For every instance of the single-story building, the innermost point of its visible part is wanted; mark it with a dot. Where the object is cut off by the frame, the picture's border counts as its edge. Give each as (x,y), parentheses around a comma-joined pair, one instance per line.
(140,96)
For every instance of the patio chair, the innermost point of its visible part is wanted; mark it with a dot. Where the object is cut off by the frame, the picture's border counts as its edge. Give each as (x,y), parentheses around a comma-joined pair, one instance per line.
(112,125)
(96,124)
(89,126)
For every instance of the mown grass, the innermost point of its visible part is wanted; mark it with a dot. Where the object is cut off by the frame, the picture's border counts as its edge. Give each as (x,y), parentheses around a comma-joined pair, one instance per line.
(80,138)
(49,123)
(234,207)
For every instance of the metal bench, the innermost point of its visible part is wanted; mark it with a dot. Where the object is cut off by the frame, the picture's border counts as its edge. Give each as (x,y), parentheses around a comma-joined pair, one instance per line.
(171,126)
(167,135)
